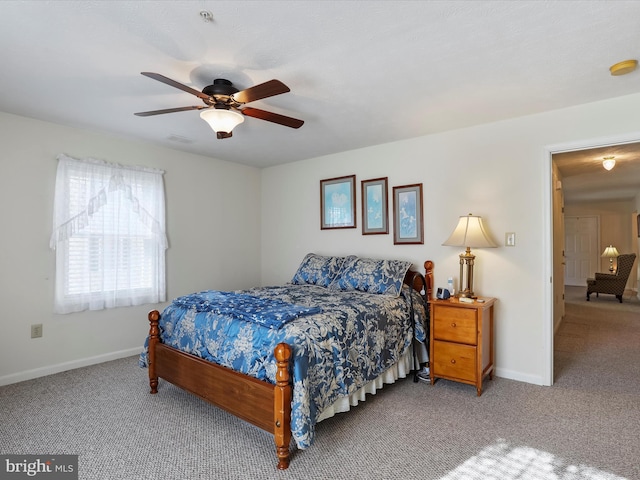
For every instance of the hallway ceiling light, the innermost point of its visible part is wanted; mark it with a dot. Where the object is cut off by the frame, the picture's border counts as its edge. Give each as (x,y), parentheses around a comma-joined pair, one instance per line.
(608,163)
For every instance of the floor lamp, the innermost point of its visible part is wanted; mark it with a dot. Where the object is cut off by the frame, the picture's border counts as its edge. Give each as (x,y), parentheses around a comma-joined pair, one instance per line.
(470,233)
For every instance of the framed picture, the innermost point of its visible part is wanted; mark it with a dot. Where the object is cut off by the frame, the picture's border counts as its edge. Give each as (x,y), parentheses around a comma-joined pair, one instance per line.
(338,202)
(375,206)
(407,215)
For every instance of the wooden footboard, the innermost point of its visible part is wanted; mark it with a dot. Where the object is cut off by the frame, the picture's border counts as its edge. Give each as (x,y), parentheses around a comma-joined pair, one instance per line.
(260,403)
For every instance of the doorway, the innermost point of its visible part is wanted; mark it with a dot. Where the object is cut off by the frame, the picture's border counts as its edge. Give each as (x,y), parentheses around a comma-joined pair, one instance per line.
(586,163)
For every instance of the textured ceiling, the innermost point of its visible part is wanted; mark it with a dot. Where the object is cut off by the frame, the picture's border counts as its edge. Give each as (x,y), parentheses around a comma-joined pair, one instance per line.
(361,73)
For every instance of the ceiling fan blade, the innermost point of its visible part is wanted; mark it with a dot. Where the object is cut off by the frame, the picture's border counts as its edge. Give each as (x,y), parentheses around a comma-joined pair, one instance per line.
(221,135)
(263,90)
(168,110)
(272,117)
(173,83)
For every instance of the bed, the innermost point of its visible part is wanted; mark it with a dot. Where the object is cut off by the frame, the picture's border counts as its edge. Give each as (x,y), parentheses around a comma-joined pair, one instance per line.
(341,328)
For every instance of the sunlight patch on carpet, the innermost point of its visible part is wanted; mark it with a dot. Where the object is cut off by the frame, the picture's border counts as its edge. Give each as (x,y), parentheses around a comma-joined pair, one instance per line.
(504,462)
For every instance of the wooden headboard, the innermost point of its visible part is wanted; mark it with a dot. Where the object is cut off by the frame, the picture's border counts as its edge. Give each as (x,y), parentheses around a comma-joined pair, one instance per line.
(421,282)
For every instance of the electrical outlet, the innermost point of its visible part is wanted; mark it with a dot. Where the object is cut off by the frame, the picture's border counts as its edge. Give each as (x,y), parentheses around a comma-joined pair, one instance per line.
(36,330)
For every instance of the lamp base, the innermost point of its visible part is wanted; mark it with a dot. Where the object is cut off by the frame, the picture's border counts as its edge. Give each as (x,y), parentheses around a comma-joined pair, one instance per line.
(467,294)
(466,275)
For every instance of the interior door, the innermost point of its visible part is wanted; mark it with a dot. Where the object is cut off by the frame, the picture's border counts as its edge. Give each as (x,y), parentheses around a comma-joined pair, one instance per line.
(581,249)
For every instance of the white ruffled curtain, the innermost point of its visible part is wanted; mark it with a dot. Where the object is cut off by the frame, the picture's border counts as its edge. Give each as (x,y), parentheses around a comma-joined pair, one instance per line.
(108,234)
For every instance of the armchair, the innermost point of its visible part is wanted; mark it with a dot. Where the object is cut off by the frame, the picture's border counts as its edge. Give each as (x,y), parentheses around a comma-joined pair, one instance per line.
(612,283)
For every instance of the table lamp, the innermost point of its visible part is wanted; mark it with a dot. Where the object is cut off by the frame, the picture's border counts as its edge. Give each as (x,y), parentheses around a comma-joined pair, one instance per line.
(470,232)
(611,252)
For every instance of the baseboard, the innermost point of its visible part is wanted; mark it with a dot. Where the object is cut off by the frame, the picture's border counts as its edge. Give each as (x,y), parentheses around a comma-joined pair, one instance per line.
(519,376)
(85,362)
(557,327)
(63,367)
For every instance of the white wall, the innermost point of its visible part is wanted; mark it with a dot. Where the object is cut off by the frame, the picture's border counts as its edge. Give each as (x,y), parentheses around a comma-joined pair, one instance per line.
(219,239)
(501,171)
(213,228)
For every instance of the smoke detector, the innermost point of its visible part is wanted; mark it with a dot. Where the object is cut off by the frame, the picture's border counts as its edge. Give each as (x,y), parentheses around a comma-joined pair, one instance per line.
(624,67)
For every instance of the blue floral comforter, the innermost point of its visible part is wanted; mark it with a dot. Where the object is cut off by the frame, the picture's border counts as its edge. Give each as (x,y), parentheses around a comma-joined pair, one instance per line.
(355,338)
(270,312)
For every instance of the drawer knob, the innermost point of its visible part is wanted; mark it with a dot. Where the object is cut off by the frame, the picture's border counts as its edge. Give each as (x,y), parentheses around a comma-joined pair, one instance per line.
(453,324)
(453,360)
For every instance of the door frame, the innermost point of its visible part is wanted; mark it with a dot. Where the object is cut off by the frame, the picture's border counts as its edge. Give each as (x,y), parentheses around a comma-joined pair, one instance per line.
(547,231)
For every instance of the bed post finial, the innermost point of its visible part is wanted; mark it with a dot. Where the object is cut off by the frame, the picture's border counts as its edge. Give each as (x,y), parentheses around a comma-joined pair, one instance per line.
(154,338)
(282,405)
(428,275)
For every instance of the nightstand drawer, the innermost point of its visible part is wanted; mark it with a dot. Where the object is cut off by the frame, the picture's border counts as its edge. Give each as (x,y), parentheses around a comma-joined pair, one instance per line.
(454,361)
(455,324)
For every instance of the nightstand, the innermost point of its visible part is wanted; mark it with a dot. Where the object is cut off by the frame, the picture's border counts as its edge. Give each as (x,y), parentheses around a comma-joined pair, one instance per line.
(461,341)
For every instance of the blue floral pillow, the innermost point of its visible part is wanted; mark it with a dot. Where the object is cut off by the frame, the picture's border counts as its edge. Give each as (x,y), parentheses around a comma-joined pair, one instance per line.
(383,277)
(317,270)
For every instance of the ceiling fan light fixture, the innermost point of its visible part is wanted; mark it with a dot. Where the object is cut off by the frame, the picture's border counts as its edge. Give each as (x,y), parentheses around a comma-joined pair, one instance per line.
(221,120)
(608,163)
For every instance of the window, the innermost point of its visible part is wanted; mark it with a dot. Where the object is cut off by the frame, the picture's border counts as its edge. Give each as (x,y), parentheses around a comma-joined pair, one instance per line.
(108,234)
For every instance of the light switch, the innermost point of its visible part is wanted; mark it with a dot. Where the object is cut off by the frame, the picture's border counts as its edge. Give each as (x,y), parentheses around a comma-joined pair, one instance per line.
(510,239)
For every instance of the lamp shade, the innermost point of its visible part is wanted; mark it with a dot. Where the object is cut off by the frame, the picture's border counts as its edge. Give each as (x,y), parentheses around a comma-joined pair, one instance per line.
(221,120)
(610,252)
(470,232)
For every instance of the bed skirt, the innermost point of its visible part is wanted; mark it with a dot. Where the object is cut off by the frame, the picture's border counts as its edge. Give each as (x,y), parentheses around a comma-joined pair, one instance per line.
(344,404)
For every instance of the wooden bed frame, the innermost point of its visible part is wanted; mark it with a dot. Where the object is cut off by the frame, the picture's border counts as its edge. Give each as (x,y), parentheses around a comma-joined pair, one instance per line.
(263,404)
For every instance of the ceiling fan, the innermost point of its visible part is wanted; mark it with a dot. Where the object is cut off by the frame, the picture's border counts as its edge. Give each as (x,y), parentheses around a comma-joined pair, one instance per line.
(222,103)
